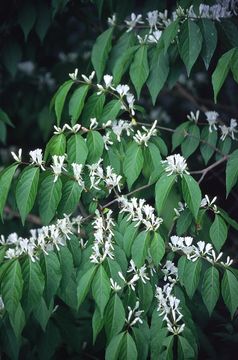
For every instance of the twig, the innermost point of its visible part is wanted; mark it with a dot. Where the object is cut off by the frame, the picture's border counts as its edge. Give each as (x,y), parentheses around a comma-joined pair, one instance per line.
(208,168)
(31,218)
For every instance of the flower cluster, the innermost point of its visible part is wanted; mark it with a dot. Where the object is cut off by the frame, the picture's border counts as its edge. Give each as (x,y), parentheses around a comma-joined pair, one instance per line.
(97,175)
(214,12)
(74,129)
(212,119)
(136,273)
(175,164)
(145,137)
(134,315)
(103,238)
(168,305)
(140,212)
(170,272)
(42,239)
(209,204)
(194,252)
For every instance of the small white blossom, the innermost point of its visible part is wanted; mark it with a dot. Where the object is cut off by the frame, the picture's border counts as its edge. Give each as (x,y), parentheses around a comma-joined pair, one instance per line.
(210,204)
(175,164)
(154,37)
(114,286)
(152,18)
(135,19)
(58,165)
(107,141)
(131,101)
(134,315)
(77,170)
(193,116)
(1,304)
(74,75)
(224,131)
(89,79)
(119,126)
(112,20)
(232,128)
(122,90)
(112,180)
(212,117)
(228,262)
(93,123)
(18,157)
(142,40)
(143,138)
(37,158)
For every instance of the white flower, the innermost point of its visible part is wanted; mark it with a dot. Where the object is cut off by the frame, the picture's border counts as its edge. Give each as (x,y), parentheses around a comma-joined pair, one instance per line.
(58,130)
(37,158)
(112,180)
(107,141)
(114,286)
(170,271)
(130,100)
(152,18)
(145,137)
(77,170)
(134,315)
(58,165)
(232,130)
(18,157)
(228,262)
(122,89)
(119,126)
(1,304)
(93,123)
(212,119)
(175,164)
(112,20)
(154,37)
(74,75)
(134,21)
(193,116)
(210,204)
(142,40)
(89,79)
(224,131)
(108,79)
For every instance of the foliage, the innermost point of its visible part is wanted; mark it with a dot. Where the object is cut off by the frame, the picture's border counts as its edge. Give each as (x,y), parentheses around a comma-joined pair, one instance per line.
(128,244)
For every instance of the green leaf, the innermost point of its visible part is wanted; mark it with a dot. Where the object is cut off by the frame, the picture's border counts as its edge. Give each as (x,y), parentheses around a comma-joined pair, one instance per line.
(71,193)
(231,172)
(5,118)
(18,320)
(192,276)
(191,141)
(180,134)
(159,70)
(76,103)
(112,351)
(210,138)
(114,317)
(51,269)
(220,73)
(101,288)
(218,232)
(33,284)
(191,194)
(210,288)
(77,150)
(234,66)
(128,349)
(55,146)
(157,335)
(11,287)
(146,295)
(97,323)
(209,34)
(230,29)
(157,248)
(167,354)
(162,190)
(60,97)
(229,290)
(183,222)
(133,160)
(190,43)
(169,34)
(128,238)
(49,197)
(42,313)
(6,177)
(95,146)
(139,248)
(101,51)
(84,284)
(185,350)
(122,64)
(139,69)
(27,17)
(66,265)
(26,190)
(93,108)
(110,111)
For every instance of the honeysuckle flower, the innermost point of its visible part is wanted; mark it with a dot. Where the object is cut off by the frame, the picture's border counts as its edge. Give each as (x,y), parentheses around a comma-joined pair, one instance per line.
(93,123)
(112,20)
(210,204)
(107,124)
(175,164)
(141,272)
(193,116)
(146,136)
(74,75)
(77,170)
(89,79)
(135,19)
(181,207)
(17,157)
(134,315)
(119,126)
(114,285)
(170,271)
(107,141)
(37,158)
(58,130)
(214,12)
(154,37)
(212,117)
(58,165)
(122,90)
(111,179)
(224,131)
(1,304)
(152,18)
(228,262)
(142,40)
(232,128)
(108,79)
(130,98)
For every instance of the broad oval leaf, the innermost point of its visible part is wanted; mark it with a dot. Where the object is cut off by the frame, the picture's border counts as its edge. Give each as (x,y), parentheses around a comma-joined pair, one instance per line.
(101,51)
(114,316)
(231,172)
(76,103)
(139,248)
(133,163)
(71,193)
(191,194)
(113,349)
(191,276)
(218,232)
(208,143)
(209,34)
(84,283)
(229,290)
(210,288)
(77,149)
(59,99)
(95,145)
(162,190)
(139,69)
(6,177)
(191,141)
(101,288)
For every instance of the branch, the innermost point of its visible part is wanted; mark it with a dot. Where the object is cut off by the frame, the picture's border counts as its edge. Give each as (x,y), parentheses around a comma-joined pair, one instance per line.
(208,168)
(31,218)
